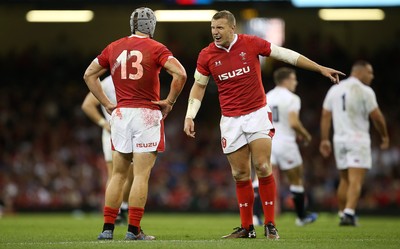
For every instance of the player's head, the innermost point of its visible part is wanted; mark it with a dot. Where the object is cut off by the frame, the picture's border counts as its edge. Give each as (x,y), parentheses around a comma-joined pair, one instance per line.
(144,21)
(363,71)
(223,25)
(286,77)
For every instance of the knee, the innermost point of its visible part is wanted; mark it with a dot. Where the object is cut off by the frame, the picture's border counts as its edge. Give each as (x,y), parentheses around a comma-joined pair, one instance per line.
(263,169)
(241,175)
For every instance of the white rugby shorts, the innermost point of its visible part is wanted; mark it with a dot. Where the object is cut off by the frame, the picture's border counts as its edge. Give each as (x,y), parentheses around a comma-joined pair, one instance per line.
(241,130)
(352,155)
(285,154)
(137,130)
(106,141)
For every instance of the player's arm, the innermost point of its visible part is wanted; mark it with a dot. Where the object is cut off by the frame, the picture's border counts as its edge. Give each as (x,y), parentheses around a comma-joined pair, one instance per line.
(380,124)
(91,77)
(196,96)
(297,125)
(325,146)
(296,59)
(178,73)
(90,107)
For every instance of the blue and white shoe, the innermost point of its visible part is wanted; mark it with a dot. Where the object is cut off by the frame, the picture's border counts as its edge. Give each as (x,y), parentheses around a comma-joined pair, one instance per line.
(310,218)
(140,236)
(348,220)
(106,235)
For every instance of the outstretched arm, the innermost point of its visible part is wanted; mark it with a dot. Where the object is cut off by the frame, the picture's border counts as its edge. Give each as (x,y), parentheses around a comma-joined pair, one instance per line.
(178,73)
(380,124)
(296,59)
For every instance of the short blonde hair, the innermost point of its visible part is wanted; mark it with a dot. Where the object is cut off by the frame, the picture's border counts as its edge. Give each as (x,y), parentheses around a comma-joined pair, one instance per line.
(227,15)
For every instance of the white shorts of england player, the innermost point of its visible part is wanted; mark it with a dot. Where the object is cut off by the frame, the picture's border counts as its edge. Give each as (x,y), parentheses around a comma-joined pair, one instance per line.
(137,130)
(352,155)
(106,141)
(285,154)
(241,130)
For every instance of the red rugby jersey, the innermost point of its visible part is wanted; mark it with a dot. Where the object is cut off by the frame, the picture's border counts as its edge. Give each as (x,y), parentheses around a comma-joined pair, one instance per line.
(135,63)
(237,73)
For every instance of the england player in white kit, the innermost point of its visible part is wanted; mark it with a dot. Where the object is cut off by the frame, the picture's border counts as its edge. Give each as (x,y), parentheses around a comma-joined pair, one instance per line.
(285,154)
(350,104)
(90,108)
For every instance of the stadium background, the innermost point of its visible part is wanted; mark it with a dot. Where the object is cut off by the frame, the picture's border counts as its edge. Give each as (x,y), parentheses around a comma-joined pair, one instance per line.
(50,152)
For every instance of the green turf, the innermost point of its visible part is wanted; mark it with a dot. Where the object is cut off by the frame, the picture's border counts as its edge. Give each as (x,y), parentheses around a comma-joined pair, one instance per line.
(31,231)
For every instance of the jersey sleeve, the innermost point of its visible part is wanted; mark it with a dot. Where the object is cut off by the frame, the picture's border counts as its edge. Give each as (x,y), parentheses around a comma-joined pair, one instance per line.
(370,100)
(295,104)
(163,54)
(202,65)
(103,58)
(327,105)
(263,47)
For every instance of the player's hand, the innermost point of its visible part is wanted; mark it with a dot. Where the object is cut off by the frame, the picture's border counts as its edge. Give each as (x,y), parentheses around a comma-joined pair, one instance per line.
(189,128)
(332,74)
(110,108)
(107,127)
(325,148)
(307,139)
(165,106)
(385,143)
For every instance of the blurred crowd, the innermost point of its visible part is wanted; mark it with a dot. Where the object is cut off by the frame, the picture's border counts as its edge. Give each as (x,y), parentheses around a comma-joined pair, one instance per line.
(51,157)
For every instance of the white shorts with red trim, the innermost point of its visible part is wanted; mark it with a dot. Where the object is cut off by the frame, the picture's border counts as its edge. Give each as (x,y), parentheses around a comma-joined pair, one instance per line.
(137,130)
(285,154)
(241,130)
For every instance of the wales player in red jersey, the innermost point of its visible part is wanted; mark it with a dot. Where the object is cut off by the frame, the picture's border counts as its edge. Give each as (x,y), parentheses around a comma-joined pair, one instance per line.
(137,130)
(246,125)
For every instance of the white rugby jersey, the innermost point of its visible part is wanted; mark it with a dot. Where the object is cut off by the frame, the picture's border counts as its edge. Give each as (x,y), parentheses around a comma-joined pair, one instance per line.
(282,101)
(350,102)
(108,88)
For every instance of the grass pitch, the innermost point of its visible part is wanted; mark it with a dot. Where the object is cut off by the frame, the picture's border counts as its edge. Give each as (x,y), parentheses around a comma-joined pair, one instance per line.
(187,231)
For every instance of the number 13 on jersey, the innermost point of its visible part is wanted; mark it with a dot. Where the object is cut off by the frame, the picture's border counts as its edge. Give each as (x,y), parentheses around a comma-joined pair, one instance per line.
(137,58)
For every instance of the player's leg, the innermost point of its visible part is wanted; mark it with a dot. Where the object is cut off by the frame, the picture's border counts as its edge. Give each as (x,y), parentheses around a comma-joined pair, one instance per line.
(260,153)
(342,191)
(235,147)
(257,207)
(107,151)
(295,178)
(123,212)
(260,156)
(144,162)
(341,157)
(355,181)
(109,166)
(113,196)
(259,131)
(239,161)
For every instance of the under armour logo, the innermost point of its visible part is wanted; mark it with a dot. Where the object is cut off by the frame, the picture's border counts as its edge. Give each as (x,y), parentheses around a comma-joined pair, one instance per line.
(268,203)
(243,204)
(218,63)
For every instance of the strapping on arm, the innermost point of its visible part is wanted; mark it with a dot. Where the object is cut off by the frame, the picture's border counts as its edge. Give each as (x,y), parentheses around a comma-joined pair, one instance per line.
(193,108)
(284,54)
(200,78)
